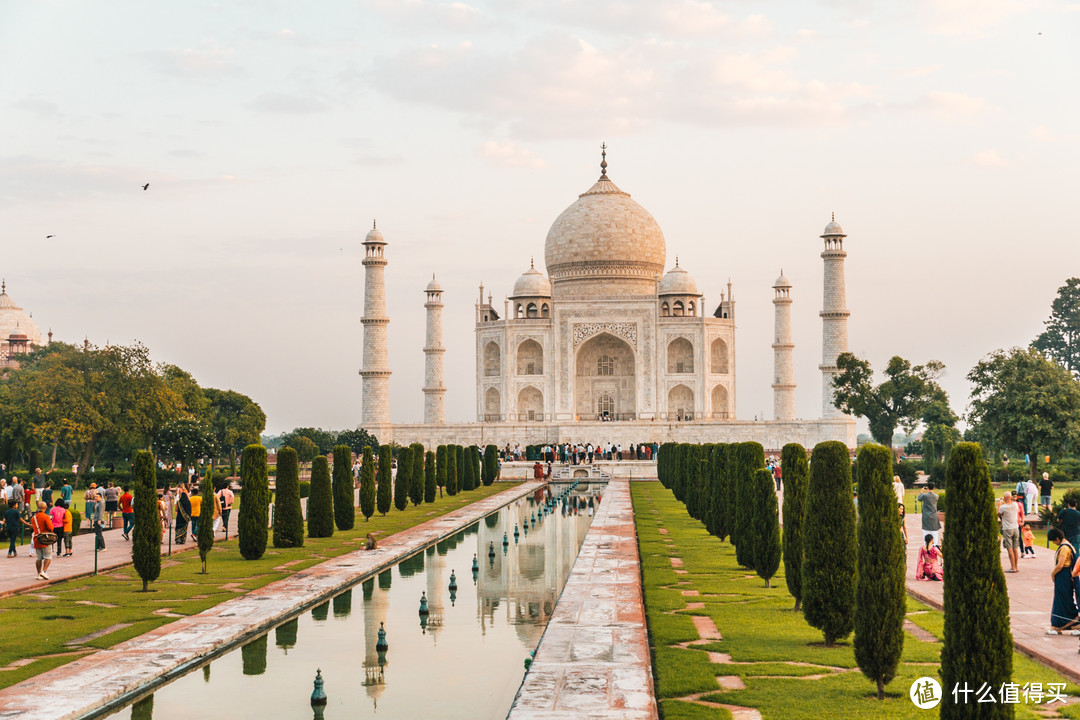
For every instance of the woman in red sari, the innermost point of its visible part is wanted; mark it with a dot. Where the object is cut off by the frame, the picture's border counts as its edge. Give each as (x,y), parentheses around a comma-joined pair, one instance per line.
(930,561)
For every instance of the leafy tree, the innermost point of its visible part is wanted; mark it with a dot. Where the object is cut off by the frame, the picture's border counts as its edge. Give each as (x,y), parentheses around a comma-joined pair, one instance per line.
(899,401)
(416,483)
(146,536)
(186,439)
(324,440)
(321,504)
(344,507)
(367,484)
(306,448)
(205,538)
(880,596)
(794,470)
(491,464)
(383,494)
(357,440)
(451,470)
(288,516)
(977,641)
(929,456)
(236,420)
(829,556)
(1026,403)
(429,477)
(255,503)
(404,478)
(749,456)
(1061,340)
(764,526)
(915,447)
(440,467)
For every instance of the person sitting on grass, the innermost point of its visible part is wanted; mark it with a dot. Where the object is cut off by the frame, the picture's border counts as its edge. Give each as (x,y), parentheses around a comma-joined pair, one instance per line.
(1063,613)
(930,566)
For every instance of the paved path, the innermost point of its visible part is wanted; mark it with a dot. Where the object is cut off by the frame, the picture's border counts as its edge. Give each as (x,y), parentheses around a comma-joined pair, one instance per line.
(593,660)
(139,664)
(1031,594)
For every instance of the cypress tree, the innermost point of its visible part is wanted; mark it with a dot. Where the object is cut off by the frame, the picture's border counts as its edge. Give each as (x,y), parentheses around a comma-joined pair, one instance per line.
(977,642)
(321,502)
(727,489)
(829,556)
(491,464)
(748,456)
(205,538)
(879,593)
(404,478)
(383,480)
(253,523)
(460,467)
(288,517)
(429,477)
(794,469)
(451,470)
(690,498)
(146,536)
(440,468)
(714,513)
(416,484)
(468,471)
(765,526)
(342,495)
(929,456)
(367,484)
(678,474)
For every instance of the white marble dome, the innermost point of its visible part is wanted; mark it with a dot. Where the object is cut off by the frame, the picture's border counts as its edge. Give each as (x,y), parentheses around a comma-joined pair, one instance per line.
(433,286)
(833,228)
(605,244)
(532,283)
(12,316)
(678,282)
(782,282)
(374,236)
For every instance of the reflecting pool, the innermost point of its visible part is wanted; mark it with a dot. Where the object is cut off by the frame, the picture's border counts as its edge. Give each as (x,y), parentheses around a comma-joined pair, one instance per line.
(464,659)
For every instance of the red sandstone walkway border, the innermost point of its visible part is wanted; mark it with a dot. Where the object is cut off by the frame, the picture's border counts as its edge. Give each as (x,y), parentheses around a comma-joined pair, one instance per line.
(98,681)
(593,660)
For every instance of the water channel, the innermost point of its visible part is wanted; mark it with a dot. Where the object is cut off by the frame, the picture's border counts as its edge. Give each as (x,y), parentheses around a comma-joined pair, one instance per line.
(465,659)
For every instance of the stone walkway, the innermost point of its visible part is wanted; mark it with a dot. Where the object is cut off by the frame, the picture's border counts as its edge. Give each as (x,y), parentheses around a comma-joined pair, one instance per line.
(106,677)
(1031,593)
(593,660)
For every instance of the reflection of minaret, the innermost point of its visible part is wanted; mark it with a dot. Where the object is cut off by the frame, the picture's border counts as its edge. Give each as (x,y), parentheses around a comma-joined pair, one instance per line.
(436,592)
(434,389)
(376,370)
(783,366)
(834,314)
(375,611)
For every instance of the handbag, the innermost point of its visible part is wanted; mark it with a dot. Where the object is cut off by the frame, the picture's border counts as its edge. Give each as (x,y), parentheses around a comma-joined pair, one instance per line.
(46,538)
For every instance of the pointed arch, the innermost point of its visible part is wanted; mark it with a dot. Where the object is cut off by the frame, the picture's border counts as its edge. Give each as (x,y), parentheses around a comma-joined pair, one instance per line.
(680,356)
(720,403)
(492,405)
(718,355)
(680,403)
(530,404)
(492,359)
(530,358)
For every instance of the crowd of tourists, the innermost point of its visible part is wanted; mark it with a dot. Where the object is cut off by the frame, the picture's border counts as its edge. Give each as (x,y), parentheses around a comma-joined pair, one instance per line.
(581,453)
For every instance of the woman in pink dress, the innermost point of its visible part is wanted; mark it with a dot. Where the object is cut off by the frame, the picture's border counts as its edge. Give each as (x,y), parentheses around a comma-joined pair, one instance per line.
(929,566)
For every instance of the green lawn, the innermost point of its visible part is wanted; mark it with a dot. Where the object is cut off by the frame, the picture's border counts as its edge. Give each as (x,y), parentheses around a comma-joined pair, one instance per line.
(41,622)
(788,673)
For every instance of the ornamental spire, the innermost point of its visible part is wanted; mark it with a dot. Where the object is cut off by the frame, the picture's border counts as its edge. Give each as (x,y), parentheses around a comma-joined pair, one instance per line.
(603,160)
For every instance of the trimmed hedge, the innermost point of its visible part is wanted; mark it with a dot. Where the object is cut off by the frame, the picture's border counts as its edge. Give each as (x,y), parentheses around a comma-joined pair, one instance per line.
(383,481)
(404,478)
(430,486)
(416,482)
(288,516)
(794,470)
(765,526)
(320,506)
(368,491)
(255,508)
(342,490)
(146,536)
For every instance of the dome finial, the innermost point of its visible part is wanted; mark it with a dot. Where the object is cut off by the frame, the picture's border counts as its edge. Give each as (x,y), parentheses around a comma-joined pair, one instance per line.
(676,261)
(834,216)
(3,286)
(532,263)
(373,225)
(603,160)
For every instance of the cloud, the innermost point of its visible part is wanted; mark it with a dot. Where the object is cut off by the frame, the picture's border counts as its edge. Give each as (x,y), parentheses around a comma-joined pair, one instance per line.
(951,104)
(560,85)
(444,15)
(211,61)
(921,71)
(509,154)
(376,159)
(972,18)
(1045,135)
(989,159)
(38,106)
(666,18)
(284,104)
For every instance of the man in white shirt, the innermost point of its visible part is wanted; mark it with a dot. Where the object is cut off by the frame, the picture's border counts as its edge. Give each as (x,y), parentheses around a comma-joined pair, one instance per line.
(898,489)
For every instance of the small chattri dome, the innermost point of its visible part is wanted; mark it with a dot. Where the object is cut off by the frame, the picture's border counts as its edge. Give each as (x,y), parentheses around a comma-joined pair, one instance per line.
(434,285)
(678,282)
(532,283)
(18,334)
(374,236)
(833,228)
(782,282)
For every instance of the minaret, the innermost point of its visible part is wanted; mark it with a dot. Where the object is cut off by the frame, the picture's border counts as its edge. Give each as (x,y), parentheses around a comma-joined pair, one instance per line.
(376,370)
(783,366)
(834,314)
(434,389)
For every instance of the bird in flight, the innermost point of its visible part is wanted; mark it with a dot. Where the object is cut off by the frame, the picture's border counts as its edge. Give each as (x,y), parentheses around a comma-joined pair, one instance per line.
(146,186)
(49,236)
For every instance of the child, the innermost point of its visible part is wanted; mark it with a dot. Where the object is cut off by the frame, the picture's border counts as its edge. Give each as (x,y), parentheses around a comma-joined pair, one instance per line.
(1029,541)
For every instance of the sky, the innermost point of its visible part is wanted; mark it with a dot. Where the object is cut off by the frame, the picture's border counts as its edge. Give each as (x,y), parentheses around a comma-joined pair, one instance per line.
(944,134)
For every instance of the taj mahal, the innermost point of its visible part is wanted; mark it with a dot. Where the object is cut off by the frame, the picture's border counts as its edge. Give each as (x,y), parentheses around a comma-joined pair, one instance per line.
(605,345)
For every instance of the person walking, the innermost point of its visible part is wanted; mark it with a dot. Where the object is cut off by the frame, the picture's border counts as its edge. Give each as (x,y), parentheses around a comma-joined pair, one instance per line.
(67,492)
(1063,612)
(903,517)
(13,523)
(1046,489)
(195,498)
(183,514)
(1032,492)
(225,496)
(56,514)
(90,499)
(42,542)
(931,524)
(1009,517)
(897,488)
(127,512)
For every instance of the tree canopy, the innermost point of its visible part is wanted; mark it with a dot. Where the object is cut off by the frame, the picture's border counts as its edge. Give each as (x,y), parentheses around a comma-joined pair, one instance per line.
(1026,403)
(899,401)
(1061,340)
